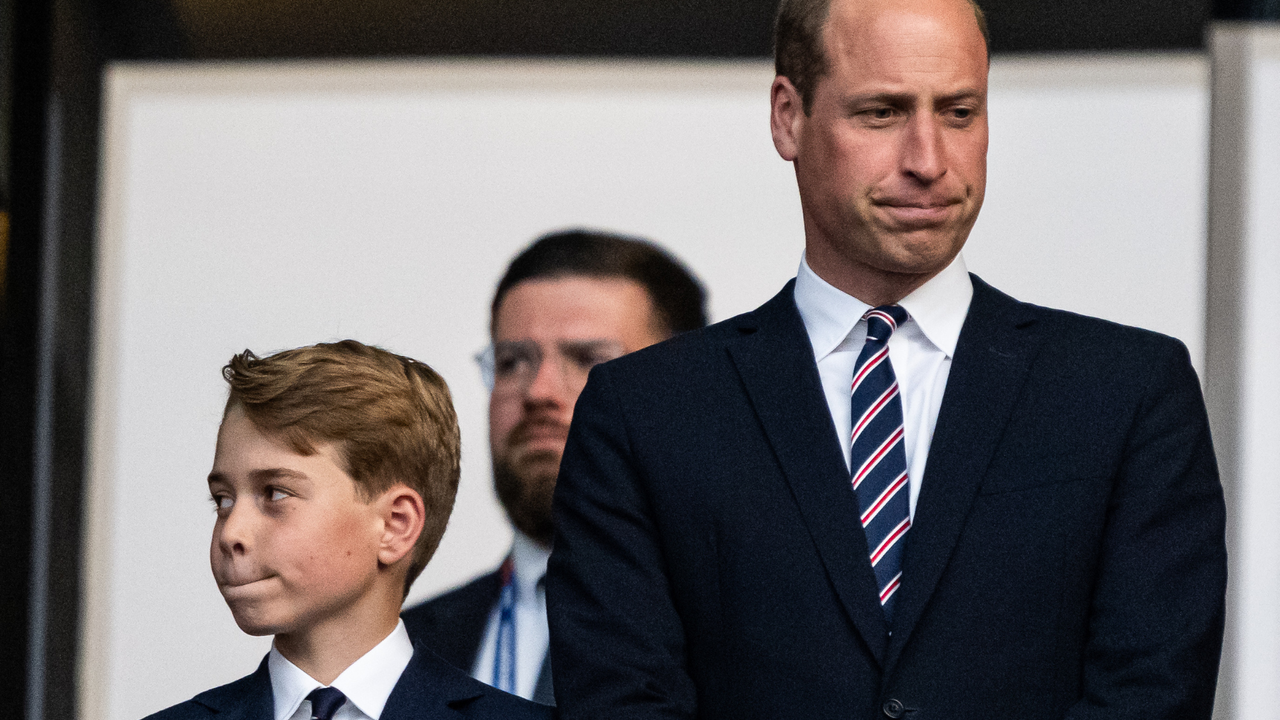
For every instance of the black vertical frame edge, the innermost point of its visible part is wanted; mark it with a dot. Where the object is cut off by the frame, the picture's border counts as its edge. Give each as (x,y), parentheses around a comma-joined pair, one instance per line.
(46,331)
(31,72)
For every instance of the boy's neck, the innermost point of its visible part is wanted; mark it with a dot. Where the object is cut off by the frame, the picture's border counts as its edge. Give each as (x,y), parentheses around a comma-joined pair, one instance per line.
(326,649)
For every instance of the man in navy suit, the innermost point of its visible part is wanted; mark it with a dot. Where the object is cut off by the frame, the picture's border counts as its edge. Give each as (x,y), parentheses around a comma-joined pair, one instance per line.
(569,301)
(333,479)
(891,491)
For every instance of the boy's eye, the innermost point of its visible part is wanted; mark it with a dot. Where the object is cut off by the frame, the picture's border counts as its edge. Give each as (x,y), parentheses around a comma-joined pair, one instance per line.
(222,502)
(276,494)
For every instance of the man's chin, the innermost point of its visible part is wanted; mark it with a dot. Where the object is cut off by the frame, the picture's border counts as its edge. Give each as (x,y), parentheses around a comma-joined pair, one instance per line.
(538,449)
(525,487)
(536,462)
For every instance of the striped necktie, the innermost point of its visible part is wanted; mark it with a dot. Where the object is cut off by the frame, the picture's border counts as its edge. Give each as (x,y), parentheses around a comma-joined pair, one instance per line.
(878,458)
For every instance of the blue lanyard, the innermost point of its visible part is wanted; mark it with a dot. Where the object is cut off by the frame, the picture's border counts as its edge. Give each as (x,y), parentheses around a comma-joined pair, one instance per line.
(504,650)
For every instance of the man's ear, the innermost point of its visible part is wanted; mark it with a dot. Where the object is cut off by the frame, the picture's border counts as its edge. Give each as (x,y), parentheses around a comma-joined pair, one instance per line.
(403,516)
(786,117)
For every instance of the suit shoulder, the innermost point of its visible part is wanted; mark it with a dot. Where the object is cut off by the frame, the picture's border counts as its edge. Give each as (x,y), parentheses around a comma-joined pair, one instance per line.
(211,702)
(1107,336)
(187,710)
(1082,331)
(685,352)
(493,704)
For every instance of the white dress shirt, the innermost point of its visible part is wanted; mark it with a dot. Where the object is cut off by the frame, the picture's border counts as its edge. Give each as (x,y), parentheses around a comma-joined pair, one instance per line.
(532,636)
(367,682)
(920,352)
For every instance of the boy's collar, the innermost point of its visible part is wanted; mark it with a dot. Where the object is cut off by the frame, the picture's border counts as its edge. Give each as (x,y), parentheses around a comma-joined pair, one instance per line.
(367,682)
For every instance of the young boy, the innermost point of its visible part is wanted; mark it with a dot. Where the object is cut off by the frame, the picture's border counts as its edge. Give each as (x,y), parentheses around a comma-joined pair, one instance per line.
(335,471)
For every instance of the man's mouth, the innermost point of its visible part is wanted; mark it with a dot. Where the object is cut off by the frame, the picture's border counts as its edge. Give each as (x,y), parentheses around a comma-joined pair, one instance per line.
(536,432)
(921,213)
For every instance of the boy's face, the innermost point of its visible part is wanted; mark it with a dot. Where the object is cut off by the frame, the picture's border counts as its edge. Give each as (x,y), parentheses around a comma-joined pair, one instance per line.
(294,547)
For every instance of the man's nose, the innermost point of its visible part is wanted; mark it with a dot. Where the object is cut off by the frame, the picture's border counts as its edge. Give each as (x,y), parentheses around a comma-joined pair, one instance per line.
(550,383)
(923,153)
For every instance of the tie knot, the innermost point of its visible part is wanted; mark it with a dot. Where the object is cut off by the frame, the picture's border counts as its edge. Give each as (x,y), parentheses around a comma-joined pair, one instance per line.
(882,321)
(325,702)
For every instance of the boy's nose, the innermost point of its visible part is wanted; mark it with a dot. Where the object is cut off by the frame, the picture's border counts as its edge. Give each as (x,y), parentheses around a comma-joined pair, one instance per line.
(233,534)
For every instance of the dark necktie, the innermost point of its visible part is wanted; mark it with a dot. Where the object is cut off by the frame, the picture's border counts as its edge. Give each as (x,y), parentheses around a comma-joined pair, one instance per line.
(878,458)
(325,702)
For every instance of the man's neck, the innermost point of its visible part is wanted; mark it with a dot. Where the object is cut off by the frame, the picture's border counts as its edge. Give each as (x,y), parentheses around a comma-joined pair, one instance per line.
(872,286)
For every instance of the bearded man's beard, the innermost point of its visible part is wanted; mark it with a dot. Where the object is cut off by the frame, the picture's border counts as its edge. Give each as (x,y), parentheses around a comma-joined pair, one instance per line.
(525,492)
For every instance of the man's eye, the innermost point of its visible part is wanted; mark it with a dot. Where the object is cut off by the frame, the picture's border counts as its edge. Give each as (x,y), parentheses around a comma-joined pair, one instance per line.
(588,359)
(222,502)
(276,494)
(510,363)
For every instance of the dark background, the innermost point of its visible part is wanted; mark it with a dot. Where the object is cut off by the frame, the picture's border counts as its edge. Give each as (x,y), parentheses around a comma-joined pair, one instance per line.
(51,57)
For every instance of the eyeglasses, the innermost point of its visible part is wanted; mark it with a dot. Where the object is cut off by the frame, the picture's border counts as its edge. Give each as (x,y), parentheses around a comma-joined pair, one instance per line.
(511,366)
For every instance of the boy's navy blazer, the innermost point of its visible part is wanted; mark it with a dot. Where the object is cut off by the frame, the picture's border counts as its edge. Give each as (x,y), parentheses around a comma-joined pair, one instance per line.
(429,689)
(1066,559)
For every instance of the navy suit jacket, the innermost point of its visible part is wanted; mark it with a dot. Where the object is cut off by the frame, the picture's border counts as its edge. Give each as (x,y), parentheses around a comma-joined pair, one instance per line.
(1066,559)
(429,689)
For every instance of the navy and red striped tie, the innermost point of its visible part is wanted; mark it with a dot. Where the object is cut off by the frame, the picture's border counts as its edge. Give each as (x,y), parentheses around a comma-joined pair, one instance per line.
(878,457)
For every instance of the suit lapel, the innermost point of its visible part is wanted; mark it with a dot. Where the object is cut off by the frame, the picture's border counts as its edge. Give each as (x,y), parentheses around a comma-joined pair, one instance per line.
(774,358)
(996,347)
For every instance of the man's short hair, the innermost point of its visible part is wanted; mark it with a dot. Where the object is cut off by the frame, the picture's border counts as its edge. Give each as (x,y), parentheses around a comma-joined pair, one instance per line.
(679,300)
(799,54)
(390,417)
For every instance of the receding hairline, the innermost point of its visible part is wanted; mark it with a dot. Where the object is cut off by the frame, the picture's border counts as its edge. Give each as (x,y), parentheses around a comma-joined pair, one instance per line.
(978,16)
(800,52)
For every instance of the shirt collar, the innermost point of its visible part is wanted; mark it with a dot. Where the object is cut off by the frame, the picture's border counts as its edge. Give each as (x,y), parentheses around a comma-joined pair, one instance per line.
(530,560)
(367,682)
(938,308)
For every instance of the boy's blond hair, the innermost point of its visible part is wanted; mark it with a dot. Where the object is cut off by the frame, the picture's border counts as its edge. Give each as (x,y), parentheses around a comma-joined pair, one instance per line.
(390,417)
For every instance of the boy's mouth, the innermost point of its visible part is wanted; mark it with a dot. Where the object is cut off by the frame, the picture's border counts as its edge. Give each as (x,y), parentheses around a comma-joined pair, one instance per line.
(239,585)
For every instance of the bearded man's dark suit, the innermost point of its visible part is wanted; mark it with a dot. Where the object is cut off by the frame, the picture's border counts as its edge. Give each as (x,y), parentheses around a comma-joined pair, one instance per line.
(453,625)
(1066,557)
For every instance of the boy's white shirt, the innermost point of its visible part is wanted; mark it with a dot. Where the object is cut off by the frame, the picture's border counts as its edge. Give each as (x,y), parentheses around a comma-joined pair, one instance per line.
(367,682)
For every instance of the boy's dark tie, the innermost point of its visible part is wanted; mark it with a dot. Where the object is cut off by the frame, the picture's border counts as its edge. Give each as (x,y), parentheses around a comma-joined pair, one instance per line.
(325,702)
(878,460)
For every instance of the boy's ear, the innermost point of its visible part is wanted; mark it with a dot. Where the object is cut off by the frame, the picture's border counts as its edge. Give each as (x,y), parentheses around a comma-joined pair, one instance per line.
(403,515)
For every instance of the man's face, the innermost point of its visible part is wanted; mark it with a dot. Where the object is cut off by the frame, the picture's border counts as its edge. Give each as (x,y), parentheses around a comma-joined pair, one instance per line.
(547,334)
(891,160)
(294,548)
